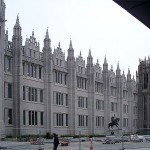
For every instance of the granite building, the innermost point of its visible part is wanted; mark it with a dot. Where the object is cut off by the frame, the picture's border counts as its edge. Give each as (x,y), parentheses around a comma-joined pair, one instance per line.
(144,94)
(42,91)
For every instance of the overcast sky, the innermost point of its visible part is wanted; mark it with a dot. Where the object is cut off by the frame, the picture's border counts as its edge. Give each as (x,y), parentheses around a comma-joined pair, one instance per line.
(99,25)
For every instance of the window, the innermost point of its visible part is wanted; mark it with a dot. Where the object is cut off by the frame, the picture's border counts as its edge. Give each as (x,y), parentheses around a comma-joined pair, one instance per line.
(24,93)
(40,72)
(41,95)
(33,118)
(99,121)
(9,90)
(60,121)
(24,117)
(28,73)
(57,61)
(98,87)
(81,102)
(59,98)
(30,52)
(42,119)
(81,83)
(135,123)
(99,104)
(29,94)
(35,95)
(9,64)
(66,99)
(113,91)
(135,110)
(125,108)
(145,108)
(113,107)
(125,122)
(125,94)
(9,116)
(86,102)
(59,77)
(82,120)
(66,119)
(23,65)
(145,81)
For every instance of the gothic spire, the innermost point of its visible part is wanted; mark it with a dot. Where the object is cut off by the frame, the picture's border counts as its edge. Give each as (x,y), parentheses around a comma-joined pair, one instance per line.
(118,68)
(33,33)
(70,50)
(47,34)
(17,20)
(105,65)
(70,45)
(105,60)
(17,28)
(59,44)
(90,58)
(128,75)
(80,53)
(47,41)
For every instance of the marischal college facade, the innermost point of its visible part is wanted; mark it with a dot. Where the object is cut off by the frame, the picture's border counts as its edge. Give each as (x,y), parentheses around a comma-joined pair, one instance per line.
(41,91)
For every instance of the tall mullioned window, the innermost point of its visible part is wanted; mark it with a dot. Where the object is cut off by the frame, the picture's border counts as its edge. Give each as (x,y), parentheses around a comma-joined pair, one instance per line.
(40,72)
(82,120)
(41,95)
(9,90)
(99,104)
(98,87)
(125,109)
(33,119)
(61,119)
(114,107)
(82,83)
(9,116)
(7,64)
(32,94)
(82,102)
(99,121)
(125,122)
(24,93)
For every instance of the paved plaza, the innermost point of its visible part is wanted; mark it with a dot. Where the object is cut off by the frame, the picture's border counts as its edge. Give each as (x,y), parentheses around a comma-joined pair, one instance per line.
(75,146)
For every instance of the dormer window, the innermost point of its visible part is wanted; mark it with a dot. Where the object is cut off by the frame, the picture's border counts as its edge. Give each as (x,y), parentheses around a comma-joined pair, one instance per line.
(30,53)
(57,62)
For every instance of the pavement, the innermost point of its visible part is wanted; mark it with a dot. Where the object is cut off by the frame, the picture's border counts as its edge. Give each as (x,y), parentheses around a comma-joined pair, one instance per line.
(76,146)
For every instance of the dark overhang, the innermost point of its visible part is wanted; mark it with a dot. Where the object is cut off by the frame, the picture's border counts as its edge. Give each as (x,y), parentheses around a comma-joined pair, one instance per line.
(140,9)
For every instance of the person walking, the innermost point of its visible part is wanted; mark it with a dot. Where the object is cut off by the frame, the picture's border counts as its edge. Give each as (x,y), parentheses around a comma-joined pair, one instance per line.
(56,141)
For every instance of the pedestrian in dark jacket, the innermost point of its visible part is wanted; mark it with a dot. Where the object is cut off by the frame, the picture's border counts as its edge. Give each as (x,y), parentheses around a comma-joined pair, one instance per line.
(56,141)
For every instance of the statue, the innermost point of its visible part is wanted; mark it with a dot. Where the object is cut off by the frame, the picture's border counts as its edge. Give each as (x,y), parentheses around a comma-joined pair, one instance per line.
(114,122)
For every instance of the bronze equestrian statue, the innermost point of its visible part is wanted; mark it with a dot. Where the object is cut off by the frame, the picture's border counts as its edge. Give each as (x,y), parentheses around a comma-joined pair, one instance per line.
(114,122)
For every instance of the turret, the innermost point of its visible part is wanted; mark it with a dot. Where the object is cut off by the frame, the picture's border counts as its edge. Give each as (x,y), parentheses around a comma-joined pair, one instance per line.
(70,50)
(17,28)
(128,75)
(105,65)
(118,69)
(90,58)
(47,41)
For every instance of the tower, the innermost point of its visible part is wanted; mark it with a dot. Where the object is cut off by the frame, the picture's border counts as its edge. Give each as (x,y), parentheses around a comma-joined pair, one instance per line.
(71,87)
(48,94)
(2,37)
(17,76)
(106,91)
(91,85)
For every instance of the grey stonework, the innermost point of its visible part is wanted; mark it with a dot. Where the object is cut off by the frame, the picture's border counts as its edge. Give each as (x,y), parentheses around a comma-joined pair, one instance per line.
(47,93)
(143,75)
